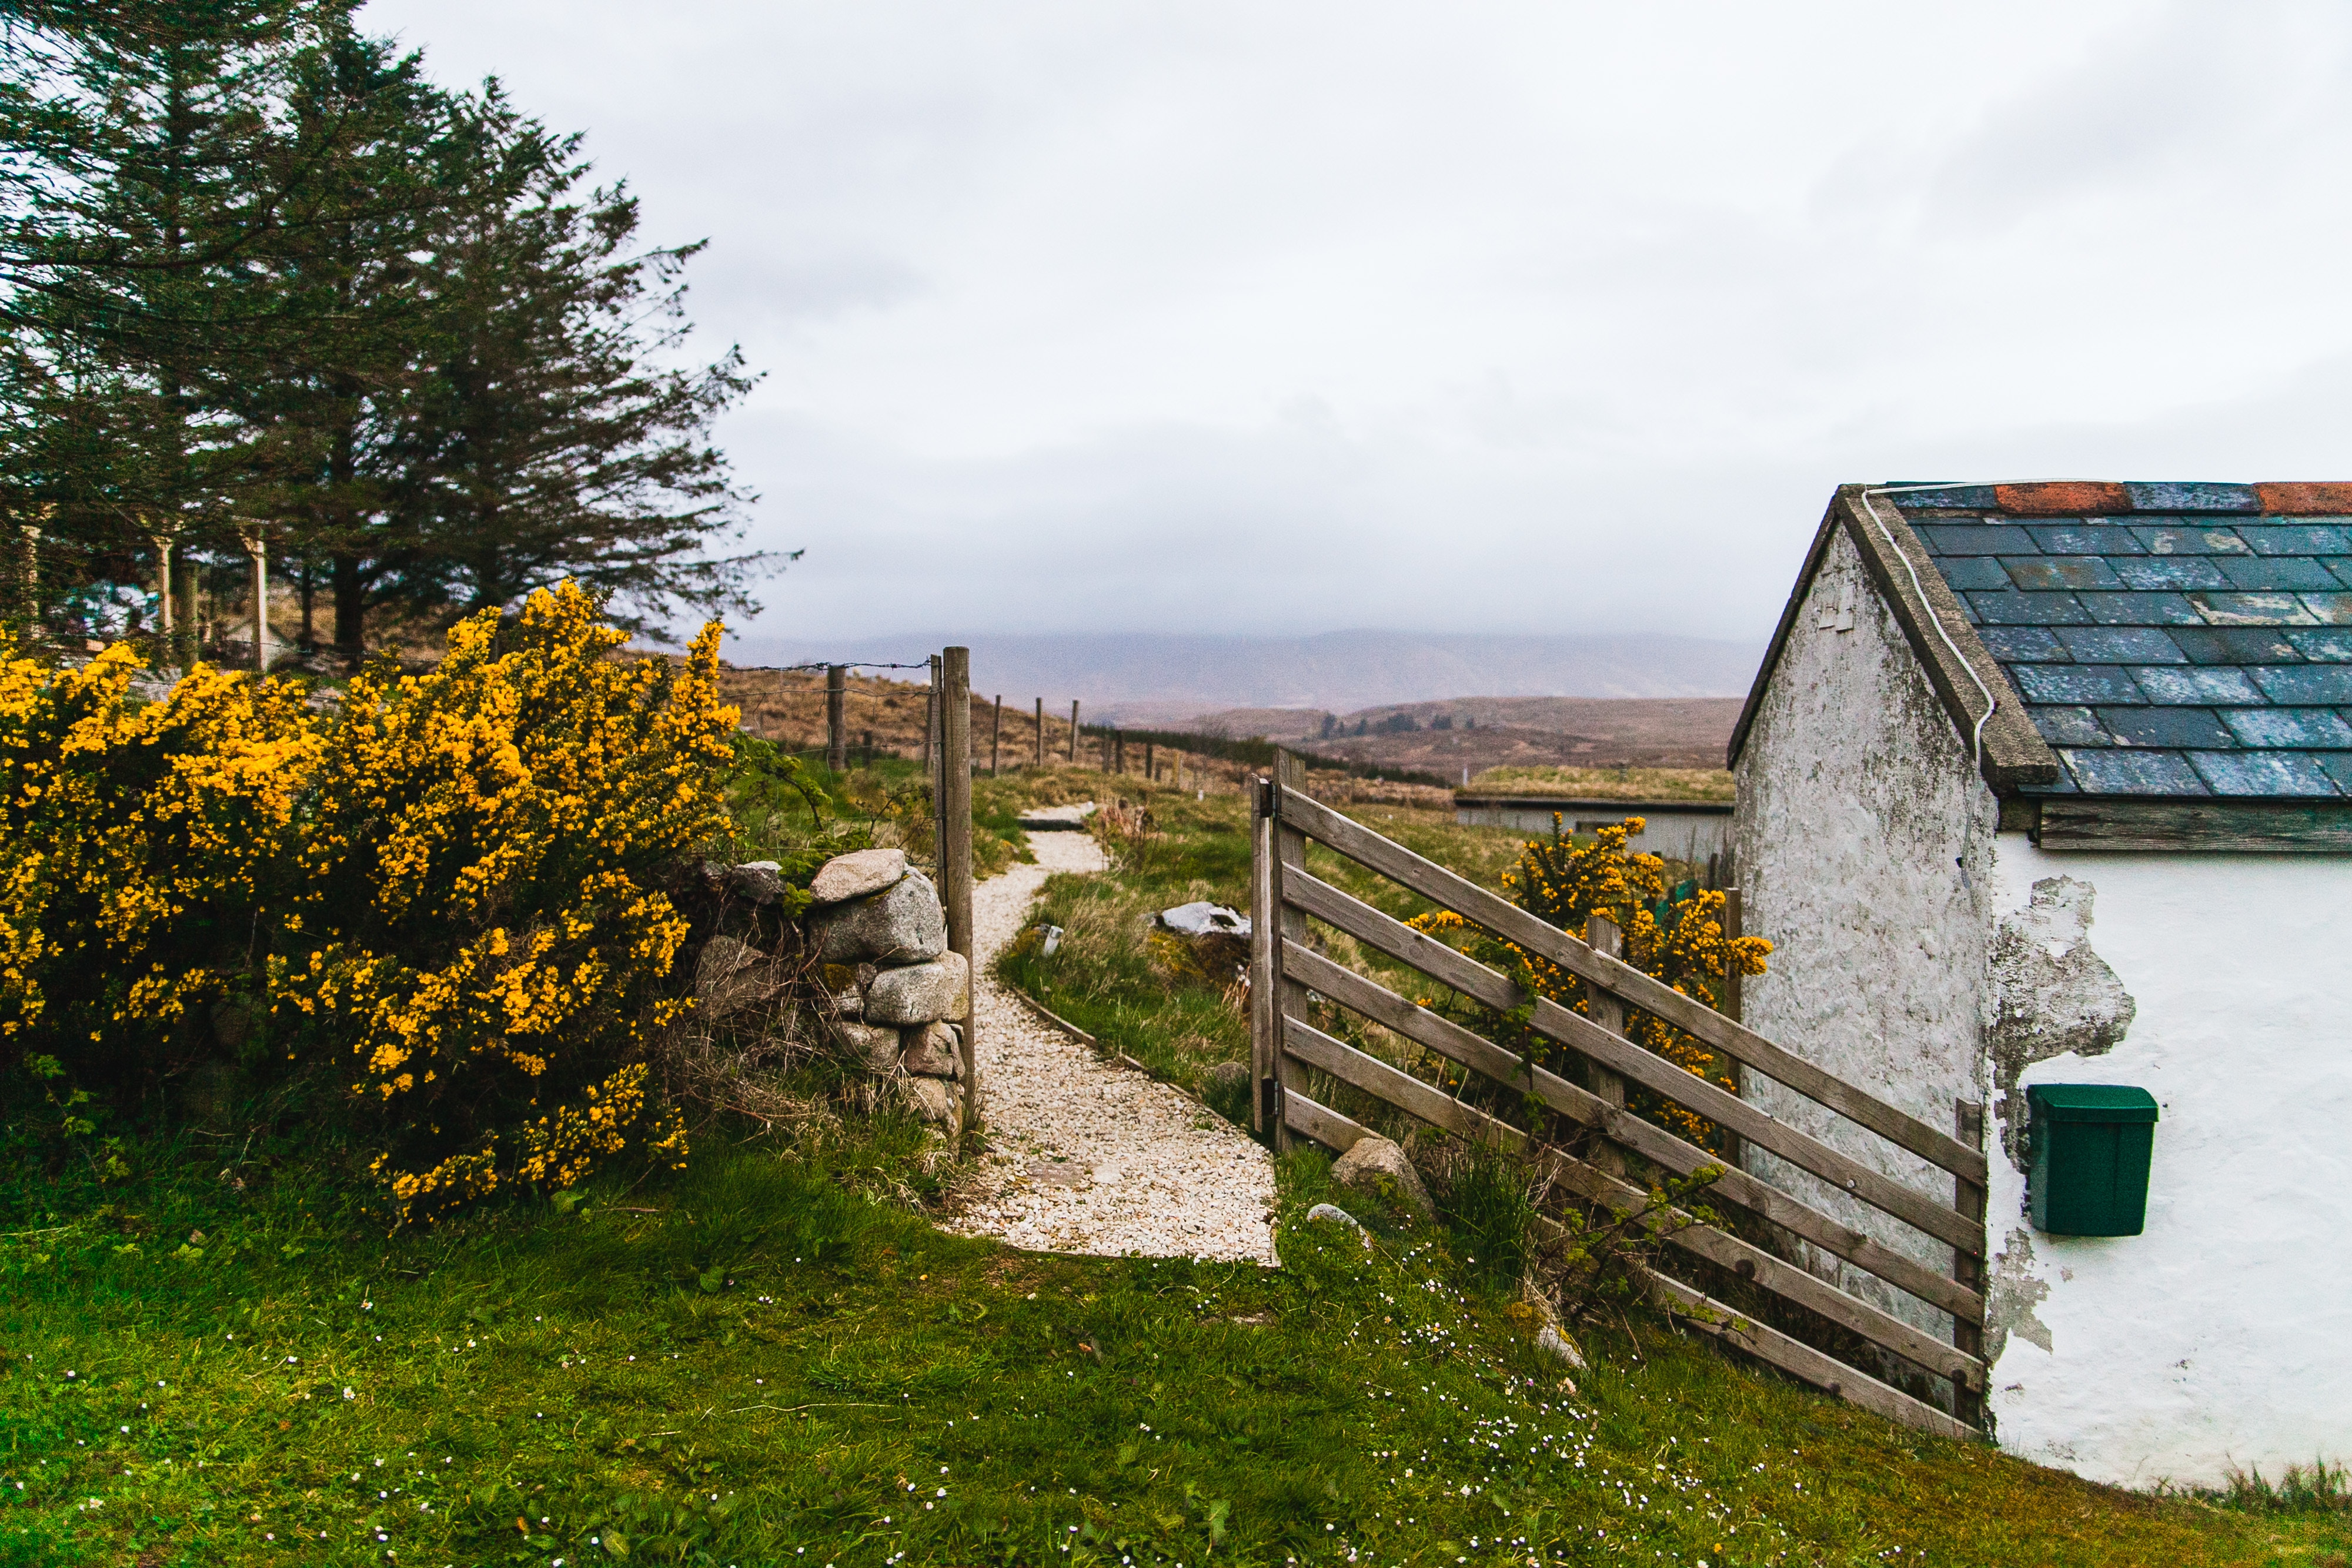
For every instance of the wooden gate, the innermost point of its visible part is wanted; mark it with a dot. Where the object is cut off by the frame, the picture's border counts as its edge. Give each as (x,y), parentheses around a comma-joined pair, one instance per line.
(1285,1046)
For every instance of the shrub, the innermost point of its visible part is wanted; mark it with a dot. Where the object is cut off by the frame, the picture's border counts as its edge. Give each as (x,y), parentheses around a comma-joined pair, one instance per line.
(1673,935)
(440,904)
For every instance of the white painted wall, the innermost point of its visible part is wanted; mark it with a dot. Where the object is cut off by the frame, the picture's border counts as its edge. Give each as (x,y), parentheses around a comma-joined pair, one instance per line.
(1863,836)
(2223,1335)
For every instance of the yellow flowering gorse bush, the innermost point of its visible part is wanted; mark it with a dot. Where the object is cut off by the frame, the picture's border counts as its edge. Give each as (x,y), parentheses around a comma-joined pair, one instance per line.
(442,900)
(1567,883)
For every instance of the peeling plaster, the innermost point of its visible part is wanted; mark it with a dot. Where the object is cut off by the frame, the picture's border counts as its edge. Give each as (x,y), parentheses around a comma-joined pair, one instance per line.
(2016,1291)
(2050,994)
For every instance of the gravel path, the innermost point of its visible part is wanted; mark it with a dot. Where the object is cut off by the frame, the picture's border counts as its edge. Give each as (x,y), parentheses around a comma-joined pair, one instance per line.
(1088,1158)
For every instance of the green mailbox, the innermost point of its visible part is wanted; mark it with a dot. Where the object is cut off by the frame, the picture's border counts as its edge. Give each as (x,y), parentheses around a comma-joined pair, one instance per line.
(2090,1144)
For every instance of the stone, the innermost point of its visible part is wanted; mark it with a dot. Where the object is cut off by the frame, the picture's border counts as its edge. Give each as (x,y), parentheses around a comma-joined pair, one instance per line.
(872,1048)
(1229,1076)
(934,1051)
(1549,1340)
(932,1099)
(1377,1166)
(1337,1216)
(919,993)
(856,874)
(760,882)
(1205,920)
(903,923)
(729,977)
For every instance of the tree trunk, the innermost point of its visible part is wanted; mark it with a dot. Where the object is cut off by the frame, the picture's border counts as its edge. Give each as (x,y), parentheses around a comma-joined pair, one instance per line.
(351,610)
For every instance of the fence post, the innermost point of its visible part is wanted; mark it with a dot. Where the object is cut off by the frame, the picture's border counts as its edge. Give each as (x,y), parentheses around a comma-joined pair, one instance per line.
(164,589)
(1119,751)
(1150,774)
(932,730)
(188,630)
(836,732)
(995,735)
(1601,934)
(955,853)
(1265,1088)
(1289,996)
(1735,1151)
(1074,731)
(1967,1126)
(1041,732)
(257,545)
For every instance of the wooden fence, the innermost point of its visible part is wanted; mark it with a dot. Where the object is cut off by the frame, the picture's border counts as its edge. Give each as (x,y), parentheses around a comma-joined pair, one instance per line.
(1286,1046)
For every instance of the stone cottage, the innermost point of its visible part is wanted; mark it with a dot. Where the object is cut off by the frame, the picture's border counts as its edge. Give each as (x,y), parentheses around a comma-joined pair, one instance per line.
(2051,784)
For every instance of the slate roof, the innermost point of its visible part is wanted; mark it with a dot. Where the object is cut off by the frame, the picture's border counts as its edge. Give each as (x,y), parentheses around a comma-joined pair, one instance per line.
(2168,639)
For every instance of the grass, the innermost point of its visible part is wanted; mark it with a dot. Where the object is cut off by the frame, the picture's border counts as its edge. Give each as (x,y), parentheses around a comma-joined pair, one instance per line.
(777,1358)
(1609,783)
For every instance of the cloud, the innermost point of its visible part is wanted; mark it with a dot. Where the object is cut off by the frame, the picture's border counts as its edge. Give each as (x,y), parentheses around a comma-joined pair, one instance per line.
(1527,317)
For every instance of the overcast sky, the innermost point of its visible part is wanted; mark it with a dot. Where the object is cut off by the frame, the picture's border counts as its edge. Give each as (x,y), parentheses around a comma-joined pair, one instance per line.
(1538,318)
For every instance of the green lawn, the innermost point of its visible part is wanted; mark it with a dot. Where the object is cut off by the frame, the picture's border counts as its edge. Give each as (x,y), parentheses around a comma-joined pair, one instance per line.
(775,1358)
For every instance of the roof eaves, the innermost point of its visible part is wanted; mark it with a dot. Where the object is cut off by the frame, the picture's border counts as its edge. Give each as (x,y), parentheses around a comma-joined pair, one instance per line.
(2014,753)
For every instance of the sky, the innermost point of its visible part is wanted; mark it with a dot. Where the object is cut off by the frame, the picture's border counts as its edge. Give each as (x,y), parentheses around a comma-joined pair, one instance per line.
(1558,317)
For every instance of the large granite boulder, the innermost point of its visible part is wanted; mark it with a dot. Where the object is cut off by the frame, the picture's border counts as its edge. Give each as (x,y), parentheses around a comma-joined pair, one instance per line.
(902,924)
(920,993)
(934,1051)
(874,1049)
(856,874)
(1378,1166)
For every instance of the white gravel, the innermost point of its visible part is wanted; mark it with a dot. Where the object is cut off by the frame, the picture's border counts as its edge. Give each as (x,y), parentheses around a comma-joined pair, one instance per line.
(1085,1156)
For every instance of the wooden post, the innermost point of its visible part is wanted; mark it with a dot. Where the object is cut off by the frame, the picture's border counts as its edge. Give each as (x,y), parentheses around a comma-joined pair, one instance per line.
(256,546)
(1074,731)
(995,735)
(1150,774)
(1041,732)
(1289,996)
(955,850)
(1601,934)
(1264,1086)
(1734,1151)
(1119,751)
(1968,1199)
(189,627)
(836,731)
(931,728)
(163,587)
(866,746)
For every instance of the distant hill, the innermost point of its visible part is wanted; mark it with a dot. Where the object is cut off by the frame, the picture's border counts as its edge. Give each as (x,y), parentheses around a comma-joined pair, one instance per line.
(1164,678)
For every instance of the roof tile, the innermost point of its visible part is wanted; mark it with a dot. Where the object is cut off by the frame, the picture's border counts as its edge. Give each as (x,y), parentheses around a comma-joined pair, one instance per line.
(2331,609)
(2195,684)
(2298,498)
(2134,772)
(2139,608)
(2063,498)
(2195,727)
(2028,610)
(2304,538)
(2261,773)
(2076,684)
(2211,539)
(1966,571)
(2330,647)
(2169,496)
(2069,726)
(2304,682)
(2277,571)
(2121,645)
(2304,729)
(2233,645)
(2169,571)
(2086,538)
(2045,573)
(1980,496)
(2251,609)
(2337,766)
(2022,644)
(1977,538)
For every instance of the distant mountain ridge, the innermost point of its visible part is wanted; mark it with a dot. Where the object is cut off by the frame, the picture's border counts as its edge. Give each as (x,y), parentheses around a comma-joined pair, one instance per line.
(1146,677)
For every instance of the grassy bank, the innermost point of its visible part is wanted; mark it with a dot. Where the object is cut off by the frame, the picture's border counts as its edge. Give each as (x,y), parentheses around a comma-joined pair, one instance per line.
(776,1358)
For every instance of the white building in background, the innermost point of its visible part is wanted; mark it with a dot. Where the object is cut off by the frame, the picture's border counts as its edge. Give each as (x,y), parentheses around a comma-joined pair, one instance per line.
(2051,785)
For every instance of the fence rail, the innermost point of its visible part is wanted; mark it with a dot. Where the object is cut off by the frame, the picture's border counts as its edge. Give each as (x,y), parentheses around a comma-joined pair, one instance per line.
(1285,969)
